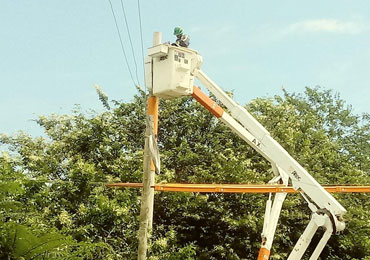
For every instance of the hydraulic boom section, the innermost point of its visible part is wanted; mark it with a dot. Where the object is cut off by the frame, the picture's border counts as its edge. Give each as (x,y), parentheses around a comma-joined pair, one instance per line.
(170,73)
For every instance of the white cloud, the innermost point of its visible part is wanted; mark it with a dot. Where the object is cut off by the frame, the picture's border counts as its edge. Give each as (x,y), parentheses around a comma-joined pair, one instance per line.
(327,25)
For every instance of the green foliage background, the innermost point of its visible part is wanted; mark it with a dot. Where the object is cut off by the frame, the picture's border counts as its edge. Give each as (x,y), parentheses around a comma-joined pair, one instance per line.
(53,204)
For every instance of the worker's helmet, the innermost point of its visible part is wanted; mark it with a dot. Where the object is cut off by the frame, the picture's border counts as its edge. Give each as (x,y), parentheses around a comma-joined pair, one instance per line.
(178,31)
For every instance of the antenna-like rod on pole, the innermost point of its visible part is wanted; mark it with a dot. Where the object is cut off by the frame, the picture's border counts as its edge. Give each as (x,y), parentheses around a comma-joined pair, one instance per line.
(157,38)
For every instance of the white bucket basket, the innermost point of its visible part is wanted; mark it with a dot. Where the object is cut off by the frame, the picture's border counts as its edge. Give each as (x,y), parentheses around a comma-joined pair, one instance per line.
(169,70)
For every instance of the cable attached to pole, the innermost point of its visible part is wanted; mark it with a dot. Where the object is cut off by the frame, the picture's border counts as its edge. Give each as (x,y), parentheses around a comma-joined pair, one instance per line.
(123,49)
(129,36)
(142,55)
(142,44)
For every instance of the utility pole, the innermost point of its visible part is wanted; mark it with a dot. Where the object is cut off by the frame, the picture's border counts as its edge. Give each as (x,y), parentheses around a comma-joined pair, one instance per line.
(149,167)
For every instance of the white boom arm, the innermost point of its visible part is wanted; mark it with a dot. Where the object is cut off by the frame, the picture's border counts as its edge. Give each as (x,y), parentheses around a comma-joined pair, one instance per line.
(322,203)
(170,73)
(275,153)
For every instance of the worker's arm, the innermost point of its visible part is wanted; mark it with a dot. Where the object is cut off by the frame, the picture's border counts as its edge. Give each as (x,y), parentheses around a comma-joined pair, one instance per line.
(184,41)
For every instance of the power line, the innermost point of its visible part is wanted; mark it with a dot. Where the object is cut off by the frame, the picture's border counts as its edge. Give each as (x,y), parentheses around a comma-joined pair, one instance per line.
(142,44)
(129,36)
(123,49)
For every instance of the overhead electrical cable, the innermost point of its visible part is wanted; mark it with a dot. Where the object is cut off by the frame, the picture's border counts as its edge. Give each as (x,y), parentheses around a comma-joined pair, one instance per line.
(129,36)
(142,44)
(142,54)
(123,49)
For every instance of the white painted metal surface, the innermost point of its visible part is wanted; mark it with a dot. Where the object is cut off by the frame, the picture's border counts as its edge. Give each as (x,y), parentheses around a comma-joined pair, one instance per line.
(270,223)
(304,241)
(172,69)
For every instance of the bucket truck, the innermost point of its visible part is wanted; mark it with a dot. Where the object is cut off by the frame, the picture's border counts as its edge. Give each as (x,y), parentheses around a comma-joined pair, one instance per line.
(170,73)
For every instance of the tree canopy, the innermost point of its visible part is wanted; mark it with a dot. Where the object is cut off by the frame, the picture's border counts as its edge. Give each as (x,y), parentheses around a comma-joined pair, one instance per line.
(54,204)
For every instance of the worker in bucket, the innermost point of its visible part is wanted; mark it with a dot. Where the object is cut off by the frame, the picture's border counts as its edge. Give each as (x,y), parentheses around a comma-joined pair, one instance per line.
(182,40)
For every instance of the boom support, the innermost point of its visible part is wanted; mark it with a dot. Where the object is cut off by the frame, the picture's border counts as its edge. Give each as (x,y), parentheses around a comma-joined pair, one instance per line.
(170,73)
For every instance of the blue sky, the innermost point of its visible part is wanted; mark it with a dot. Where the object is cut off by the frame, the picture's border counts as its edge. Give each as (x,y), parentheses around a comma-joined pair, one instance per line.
(53,52)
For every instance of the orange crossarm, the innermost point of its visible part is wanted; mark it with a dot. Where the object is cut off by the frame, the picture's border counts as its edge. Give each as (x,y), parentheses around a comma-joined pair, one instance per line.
(124,185)
(239,188)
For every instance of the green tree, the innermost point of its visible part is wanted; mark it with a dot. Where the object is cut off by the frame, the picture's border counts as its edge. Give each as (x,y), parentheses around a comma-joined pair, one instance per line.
(21,237)
(60,178)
